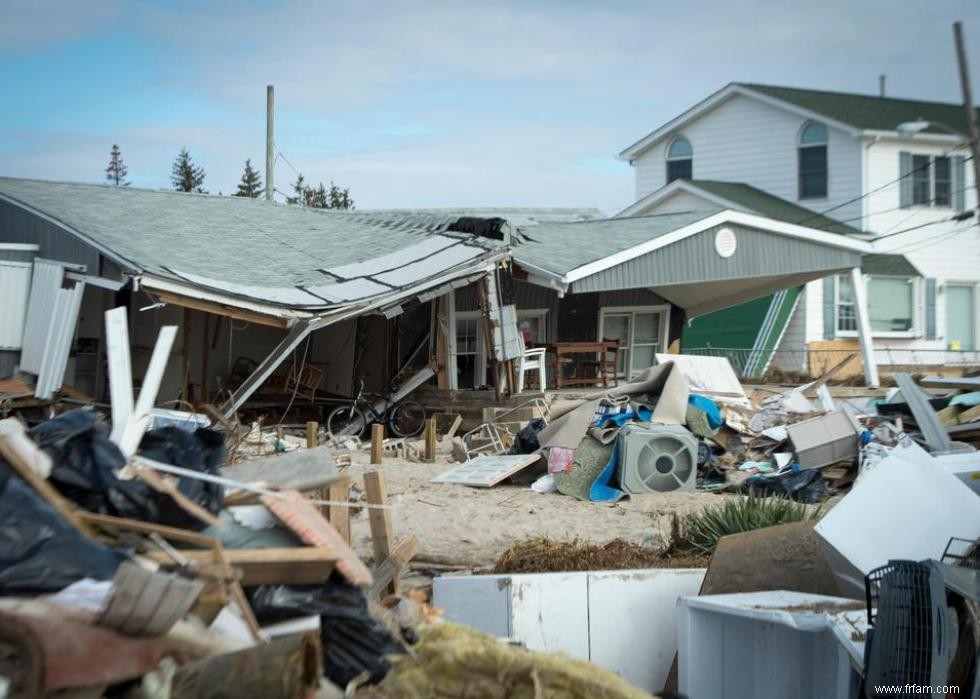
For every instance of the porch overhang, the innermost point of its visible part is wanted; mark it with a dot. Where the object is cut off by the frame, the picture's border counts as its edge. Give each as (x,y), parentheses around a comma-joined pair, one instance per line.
(720,259)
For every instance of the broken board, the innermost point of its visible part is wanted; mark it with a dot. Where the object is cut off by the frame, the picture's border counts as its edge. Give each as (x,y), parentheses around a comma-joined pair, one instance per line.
(487,471)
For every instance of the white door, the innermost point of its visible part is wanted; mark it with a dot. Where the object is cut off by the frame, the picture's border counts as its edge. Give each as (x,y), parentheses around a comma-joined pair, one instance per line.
(961,317)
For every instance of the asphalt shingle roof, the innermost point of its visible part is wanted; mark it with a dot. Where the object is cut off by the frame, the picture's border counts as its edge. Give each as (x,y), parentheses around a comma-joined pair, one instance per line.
(562,247)
(772,206)
(888,264)
(868,111)
(246,242)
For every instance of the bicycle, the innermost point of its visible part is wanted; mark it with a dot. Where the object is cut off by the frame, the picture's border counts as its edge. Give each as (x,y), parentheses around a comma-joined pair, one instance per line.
(406,418)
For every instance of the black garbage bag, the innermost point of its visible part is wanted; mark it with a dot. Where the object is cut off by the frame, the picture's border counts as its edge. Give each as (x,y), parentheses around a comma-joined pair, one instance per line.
(526,440)
(85,461)
(39,550)
(353,641)
(807,486)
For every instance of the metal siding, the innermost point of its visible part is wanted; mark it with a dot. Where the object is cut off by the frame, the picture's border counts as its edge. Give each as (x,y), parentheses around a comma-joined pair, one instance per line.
(8,362)
(61,329)
(45,285)
(15,287)
(19,226)
(694,260)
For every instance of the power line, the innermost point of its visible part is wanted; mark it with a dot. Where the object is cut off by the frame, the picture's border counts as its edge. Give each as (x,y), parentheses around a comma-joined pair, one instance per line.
(884,186)
(959,217)
(931,240)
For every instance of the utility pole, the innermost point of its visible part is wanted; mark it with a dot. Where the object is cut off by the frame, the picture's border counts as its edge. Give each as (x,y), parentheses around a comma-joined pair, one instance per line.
(270,115)
(971,112)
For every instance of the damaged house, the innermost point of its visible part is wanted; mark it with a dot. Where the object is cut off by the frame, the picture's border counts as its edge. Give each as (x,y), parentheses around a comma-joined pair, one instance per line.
(282,306)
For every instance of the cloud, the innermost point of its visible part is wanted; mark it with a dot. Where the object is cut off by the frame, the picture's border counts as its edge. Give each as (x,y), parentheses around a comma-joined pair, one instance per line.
(30,26)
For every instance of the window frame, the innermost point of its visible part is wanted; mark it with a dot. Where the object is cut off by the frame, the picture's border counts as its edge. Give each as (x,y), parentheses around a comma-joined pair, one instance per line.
(918,319)
(930,170)
(662,340)
(674,160)
(975,286)
(800,147)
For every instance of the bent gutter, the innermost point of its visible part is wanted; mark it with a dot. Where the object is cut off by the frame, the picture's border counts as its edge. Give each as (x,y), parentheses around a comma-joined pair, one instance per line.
(302,328)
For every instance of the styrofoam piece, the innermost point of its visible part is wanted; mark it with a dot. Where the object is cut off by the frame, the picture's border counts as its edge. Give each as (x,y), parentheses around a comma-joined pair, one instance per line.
(907,507)
(965,466)
(772,644)
(624,621)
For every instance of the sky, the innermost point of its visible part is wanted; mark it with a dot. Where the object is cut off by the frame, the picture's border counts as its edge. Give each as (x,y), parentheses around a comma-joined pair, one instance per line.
(428,104)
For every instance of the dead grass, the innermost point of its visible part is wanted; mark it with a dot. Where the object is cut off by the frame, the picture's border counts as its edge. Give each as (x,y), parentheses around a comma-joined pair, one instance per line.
(544,555)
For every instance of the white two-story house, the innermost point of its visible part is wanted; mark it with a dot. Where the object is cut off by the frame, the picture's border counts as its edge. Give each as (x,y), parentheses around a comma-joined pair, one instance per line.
(892,171)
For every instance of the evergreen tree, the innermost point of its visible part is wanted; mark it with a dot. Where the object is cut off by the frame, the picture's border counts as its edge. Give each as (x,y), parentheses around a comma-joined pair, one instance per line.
(185,175)
(117,171)
(299,187)
(251,183)
(339,198)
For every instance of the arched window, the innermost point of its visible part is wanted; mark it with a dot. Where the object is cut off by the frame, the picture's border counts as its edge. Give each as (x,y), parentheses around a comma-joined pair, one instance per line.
(680,159)
(813,161)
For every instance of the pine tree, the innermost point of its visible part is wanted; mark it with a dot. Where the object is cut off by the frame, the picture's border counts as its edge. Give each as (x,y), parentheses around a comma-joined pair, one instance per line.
(299,187)
(339,198)
(117,171)
(185,175)
(251,183)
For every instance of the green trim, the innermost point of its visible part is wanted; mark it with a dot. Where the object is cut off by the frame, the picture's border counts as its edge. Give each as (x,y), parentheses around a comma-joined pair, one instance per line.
(771,333)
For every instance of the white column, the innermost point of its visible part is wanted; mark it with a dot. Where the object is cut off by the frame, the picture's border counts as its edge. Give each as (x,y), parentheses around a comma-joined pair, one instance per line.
(448,306)
(864,328)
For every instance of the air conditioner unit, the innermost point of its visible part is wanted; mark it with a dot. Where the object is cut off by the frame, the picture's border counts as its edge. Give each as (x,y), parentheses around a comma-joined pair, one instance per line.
(657,458)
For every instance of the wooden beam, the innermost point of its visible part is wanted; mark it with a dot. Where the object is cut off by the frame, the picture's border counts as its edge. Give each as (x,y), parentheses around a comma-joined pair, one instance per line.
(120,370)
(386,574)
(185,358)
(132,525)
(219,309)
(377,442)
(298,565)
(312,438)
(338,515)
(205,349)
(430,440)
(379,518)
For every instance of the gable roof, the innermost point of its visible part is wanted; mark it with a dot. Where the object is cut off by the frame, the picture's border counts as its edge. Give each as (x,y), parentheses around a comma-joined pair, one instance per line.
(851,112)
(283,255)
(868,112)
(888,264)
(746,197)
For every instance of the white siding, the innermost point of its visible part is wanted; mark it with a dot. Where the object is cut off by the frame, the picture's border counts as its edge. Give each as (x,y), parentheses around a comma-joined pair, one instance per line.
(15,286)
(812,304)
(744,140)
(681,201)
(937,250)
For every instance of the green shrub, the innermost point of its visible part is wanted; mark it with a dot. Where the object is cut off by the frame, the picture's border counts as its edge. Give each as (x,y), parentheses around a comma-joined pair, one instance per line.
(698,533)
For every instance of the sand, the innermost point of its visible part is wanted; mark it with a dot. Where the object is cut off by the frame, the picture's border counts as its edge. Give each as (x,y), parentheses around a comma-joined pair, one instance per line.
(474,526)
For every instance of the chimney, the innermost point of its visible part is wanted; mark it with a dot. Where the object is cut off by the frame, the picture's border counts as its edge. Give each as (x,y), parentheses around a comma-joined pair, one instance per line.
(881,85)
(269,140)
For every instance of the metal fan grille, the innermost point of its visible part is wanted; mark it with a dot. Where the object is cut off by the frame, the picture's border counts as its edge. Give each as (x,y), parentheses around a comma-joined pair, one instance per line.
(664,463)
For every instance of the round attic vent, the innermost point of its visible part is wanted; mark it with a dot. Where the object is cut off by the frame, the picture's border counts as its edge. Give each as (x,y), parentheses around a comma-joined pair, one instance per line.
(725,242)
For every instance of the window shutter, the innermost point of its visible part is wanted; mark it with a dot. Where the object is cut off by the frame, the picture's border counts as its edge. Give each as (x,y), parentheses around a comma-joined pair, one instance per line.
(905,183)
(829,312)
(959,182)
(930,309)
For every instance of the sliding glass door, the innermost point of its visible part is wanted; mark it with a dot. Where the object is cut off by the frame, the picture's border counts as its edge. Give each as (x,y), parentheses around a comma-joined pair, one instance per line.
(641,332)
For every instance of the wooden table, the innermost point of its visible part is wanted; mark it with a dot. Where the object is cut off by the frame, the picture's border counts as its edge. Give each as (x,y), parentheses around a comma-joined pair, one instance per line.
(601,368)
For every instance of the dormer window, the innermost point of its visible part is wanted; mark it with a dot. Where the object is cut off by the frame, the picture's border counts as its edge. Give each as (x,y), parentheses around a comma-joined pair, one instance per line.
(680,159)
(813,161)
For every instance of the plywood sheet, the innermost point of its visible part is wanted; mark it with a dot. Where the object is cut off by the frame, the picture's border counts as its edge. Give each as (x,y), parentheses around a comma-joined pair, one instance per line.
(486,471)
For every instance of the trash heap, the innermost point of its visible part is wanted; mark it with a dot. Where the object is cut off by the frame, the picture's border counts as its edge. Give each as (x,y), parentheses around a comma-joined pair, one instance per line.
(688,424)
(119,575)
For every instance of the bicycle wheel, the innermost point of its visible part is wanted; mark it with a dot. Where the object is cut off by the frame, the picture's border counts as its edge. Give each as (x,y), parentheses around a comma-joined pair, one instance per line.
(407,419)
(345,421)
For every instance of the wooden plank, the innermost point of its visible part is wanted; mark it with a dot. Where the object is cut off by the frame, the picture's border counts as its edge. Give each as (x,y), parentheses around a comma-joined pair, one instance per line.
(430,440)
(298,565)
(133,525)
(339,516)
(386,574)
(23,467)
(377,442)
(161,485)
(312,439)
(968,383)
(139,419)
(218,309)
(970,415)
(120,370)
(379,518)
(453,429)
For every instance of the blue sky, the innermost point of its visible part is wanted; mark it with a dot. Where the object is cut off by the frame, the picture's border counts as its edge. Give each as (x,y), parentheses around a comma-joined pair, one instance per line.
(419,104)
